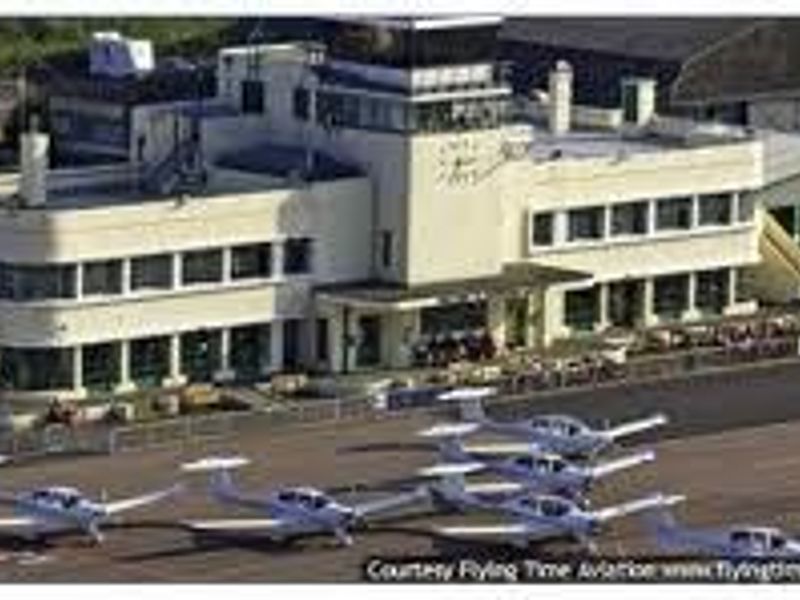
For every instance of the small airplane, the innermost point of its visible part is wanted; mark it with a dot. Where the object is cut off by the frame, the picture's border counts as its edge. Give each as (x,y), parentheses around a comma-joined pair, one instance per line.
(57,509)
(291,511)
(731,542)
(540,472)
(537,518)
(560,434)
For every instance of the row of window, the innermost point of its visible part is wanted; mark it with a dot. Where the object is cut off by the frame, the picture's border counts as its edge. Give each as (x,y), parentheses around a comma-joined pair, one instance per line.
(364,112)
(633,218)
(154,272)
(671,298)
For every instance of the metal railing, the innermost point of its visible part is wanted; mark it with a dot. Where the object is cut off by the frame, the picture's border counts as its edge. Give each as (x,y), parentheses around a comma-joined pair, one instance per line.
(523,386)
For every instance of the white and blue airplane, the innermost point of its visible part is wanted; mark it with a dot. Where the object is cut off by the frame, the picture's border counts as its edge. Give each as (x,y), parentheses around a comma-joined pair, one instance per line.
(537,518)
(558,434)
(290,512)
(540,472)
(57,509)
(737,542)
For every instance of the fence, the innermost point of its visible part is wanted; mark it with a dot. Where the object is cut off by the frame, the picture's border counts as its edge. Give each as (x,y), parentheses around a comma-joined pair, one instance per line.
(580,374)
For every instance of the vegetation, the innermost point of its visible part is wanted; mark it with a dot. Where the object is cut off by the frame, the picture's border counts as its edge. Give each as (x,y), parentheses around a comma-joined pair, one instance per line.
(24,42)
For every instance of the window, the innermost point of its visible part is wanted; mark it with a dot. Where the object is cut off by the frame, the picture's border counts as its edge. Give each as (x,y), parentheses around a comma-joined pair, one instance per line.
(715,209)
(252,96)
(301,103)
(202,266)
(101,365)
(322,339)
(674,213)
(149,360)
(452,318)
(151,272)
(629,218)
(33,369)
(542,234)
(200,354)
(711,293)
(41,282)
(671,295)
(102,277)
(585,224)
(297,256)
(581,308)
(250,350)
(251,261)
(386,249)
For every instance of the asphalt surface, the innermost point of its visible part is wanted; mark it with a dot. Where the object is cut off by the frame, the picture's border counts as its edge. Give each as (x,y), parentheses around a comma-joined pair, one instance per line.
(733,447)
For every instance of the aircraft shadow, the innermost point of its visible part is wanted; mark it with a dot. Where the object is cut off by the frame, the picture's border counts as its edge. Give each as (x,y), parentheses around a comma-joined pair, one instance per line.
(389,447)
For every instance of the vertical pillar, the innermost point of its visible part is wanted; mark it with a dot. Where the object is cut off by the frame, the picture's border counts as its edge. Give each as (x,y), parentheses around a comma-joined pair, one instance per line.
(77,371)
(125,384)
(652,212)
(177,270)
(126,276)
(695,220)
(277,259)
(224,372)
(496,320)
(79,280)
(691,311)
(276,347)
(227,264)
(735,207)
(602,309)
(175,377)
(559,228)
(648,303)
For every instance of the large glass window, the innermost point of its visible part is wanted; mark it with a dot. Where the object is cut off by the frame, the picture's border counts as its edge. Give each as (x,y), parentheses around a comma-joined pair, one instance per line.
(200,354)
(149,360)
(252,96)
(202,266)
(585,224)
(581,308)
(453,318)
(301,103)
(297,256)
(542,230)
(101,365)
(674,213)
(670,295)
(251,350)
(102,277)
(37,282)
(36,369)
(151,272)
(711,294)
(629,218)
(715,209)
(251,261)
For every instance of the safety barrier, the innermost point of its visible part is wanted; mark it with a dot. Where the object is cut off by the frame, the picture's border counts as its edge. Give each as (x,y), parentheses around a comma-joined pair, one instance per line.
(59,439)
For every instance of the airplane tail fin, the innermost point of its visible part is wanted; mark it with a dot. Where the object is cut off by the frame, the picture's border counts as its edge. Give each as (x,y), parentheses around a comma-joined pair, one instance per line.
(626,462)
(646,504)
(470,401)
(632,427)
(220,467)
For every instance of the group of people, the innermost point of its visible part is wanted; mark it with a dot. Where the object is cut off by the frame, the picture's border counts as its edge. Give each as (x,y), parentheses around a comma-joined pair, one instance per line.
(441,351)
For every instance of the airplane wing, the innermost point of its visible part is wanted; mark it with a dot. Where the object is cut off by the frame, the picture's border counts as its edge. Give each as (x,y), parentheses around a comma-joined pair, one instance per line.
(449,430)
(382,505)
(502,449)
(626,462)
(447,469)
(18,522)
(130,503)
(492,531)
(234,525)
(492,488)
(627,429)
(627,508)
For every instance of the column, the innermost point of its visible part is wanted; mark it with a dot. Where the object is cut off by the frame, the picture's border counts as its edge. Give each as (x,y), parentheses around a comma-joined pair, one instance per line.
(175,378)
(126,276)
(691,311)
(602,309)
(227,265)
(735,208)
(125,384)
(177,270)
(559,228)
(225,372)
(496,320)
(77,372)
(277,259)
(276,347)
(695,220)
(79,281)
(648,303)
(652,211)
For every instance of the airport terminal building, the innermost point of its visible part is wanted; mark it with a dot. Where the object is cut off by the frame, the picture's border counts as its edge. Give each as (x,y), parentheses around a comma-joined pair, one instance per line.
(354,205)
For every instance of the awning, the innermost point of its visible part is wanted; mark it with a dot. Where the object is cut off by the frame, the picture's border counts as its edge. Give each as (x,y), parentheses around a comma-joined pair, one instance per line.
(382,295)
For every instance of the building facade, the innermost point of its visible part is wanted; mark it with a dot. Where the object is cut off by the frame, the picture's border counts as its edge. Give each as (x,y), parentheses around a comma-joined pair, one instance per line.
(375,205)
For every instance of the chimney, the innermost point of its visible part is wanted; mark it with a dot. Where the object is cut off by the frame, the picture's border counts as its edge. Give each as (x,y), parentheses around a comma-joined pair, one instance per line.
(34,148)
(560,92)
(638,100)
